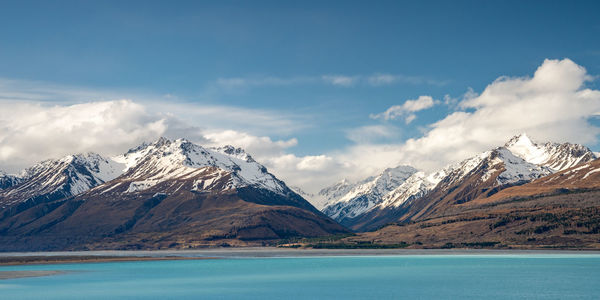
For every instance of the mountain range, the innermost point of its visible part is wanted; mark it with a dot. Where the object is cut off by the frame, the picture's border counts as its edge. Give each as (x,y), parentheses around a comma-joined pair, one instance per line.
(518,162)
(166,194)
(177,194)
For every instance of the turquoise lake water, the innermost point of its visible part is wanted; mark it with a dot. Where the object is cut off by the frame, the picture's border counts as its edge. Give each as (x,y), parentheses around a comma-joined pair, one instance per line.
(362,277)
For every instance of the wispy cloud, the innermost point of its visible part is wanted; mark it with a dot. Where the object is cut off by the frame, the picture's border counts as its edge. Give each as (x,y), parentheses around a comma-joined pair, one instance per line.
(552,105)
(340,80)
(240,82)
(407,109)
(389,79)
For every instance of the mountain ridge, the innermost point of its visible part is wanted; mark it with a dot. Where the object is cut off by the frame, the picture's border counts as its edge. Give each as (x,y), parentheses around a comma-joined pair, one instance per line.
(165,194)
(508,165)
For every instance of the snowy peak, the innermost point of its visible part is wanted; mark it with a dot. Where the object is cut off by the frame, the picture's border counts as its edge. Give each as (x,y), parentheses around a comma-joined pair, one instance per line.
(555,156)
(235,152)
(365,195)
(392,178)
(83,171)
(7,180)
(499,163)
(64,177)
(514,169)
(164,159)
(519,140)
(336,190)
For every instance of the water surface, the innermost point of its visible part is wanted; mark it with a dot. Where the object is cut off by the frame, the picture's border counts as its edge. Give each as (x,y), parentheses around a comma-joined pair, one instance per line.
(545,276)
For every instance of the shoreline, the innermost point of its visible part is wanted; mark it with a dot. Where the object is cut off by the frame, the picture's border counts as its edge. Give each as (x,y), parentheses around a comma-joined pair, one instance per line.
(59,257)
(26,274)
(78,258)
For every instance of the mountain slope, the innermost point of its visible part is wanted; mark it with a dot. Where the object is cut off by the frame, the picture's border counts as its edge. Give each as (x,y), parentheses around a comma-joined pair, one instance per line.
(59,178)
(172,194)
(578,178)
(518,162)
(8,180)
(561,210)
(365,195)
(555,156)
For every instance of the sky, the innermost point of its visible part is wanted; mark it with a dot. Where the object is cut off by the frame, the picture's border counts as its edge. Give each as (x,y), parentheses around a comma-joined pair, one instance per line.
(317,91)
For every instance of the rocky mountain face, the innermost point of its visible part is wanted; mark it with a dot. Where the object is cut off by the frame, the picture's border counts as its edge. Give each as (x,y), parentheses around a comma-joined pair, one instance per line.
(8,180)
(59,178)
(361,197)
(561,210)
(518,162)
(166,194)
(555,156)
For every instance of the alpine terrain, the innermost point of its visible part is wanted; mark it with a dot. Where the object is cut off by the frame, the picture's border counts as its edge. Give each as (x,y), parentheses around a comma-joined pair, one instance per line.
(166,194)
(422,195)
(521,195)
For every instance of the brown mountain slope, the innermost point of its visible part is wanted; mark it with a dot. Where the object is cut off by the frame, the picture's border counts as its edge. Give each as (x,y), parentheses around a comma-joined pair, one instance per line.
(559,210)
(581,177)
(172,214)
(493,171)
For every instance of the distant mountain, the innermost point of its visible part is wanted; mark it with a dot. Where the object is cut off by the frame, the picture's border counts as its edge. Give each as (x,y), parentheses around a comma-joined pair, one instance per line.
(519,161)
(59,178)
(555,156)
(558,211)
(166,194)
(8,180)
(361,197)
(579,178)
(332,193)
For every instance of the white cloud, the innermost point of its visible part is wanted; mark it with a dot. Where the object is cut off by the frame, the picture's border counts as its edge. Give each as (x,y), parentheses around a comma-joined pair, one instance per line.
(256,121)
(407,109)
(239,82)
(340,80)
(259,146)
(381,79)
(388,79)
(31,132)
(553,105)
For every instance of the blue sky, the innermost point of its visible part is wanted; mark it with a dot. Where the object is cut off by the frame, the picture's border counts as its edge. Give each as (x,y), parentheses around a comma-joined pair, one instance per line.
(313,63)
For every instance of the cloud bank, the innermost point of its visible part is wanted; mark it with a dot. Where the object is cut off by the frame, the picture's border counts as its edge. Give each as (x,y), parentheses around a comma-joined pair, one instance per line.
(552,105)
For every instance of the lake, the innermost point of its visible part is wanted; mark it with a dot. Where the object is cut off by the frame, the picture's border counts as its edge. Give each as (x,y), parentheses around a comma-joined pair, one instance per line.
(521,276)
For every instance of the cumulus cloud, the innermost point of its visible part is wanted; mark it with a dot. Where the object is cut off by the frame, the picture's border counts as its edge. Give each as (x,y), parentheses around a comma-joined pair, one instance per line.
(259,146)
(308,172)
(30,132)
(553,105)
(406,110)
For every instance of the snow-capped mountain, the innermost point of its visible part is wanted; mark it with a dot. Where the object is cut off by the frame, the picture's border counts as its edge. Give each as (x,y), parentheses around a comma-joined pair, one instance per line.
(151,164)
(60,178)
(555,156)
(165,194)
(363,196)
(500,164)
(8,180)
(146,165)
(333,192)
(519,161)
